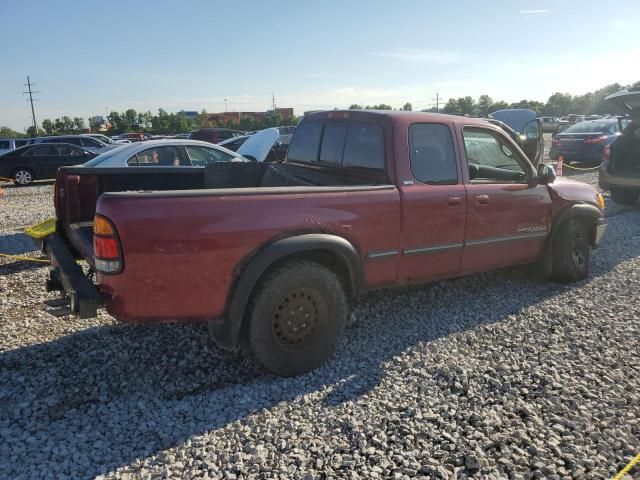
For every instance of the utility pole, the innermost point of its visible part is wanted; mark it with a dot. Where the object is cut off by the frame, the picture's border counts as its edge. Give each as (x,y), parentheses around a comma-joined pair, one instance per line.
(225,106)
(33,113)
(437,100)
(273,103)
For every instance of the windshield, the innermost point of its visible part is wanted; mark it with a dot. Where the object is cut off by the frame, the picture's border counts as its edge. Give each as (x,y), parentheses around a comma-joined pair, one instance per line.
(590,127)
(101,158)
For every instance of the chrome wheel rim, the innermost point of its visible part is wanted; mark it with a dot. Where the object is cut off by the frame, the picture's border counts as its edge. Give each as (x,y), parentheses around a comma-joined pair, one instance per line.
(23,177)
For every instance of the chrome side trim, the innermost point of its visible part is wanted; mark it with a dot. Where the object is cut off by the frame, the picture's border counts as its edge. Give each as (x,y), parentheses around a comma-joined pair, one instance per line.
(434,249)
(376,255)
(510,238)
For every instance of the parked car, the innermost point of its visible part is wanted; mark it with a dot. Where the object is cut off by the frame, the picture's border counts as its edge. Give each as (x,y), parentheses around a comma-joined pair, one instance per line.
(164,153)
(213,135)
(527,124)
(549,124)
(586,141)
(7,144)
(83,141)
(573,118)
(270,253)
(106,140)
(620,170)
(40,162)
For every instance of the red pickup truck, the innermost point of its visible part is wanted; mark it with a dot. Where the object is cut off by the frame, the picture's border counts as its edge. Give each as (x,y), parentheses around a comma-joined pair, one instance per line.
(269,254)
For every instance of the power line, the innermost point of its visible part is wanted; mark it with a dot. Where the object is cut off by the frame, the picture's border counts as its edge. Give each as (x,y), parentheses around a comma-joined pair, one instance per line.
(33,112)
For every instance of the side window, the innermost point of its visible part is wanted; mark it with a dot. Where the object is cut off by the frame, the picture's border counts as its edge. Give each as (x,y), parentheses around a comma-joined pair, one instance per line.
(531,130)
(6,144)
(202,156)
(89,142)
(74,141)
(491,158)
(69,151)
(306,142)
(27,153)
(364,147)
(45,151)
(21,143)
(156,157)
(433,159)
(333,143)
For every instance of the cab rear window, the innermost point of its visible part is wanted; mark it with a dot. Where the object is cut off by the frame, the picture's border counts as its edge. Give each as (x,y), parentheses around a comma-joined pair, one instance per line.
(338,143)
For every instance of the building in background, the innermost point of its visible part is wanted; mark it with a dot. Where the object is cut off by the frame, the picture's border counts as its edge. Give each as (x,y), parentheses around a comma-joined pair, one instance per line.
(99,124)
(235,117)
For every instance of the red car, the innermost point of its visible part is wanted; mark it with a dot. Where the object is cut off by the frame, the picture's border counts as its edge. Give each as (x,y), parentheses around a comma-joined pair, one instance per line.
(269,254)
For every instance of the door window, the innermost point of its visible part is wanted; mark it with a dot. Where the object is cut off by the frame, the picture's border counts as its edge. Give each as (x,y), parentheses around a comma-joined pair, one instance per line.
(306,142)
(156,157)
(431,152)
(70,151)
(491,158)
(45,151)
(5,144)
(90,142)
(202,156)
(21,143)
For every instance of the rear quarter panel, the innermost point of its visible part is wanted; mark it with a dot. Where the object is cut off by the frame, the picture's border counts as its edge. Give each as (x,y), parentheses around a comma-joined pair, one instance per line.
(181,252)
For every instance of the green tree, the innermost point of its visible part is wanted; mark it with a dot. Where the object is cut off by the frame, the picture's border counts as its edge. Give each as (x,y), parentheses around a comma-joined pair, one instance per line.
(382,106)
(499,105)
(33,132)
(559,104)
(78,123)
(529,104)
(407,107)
(6,132)
(484,106)
(48,127)
(355,106)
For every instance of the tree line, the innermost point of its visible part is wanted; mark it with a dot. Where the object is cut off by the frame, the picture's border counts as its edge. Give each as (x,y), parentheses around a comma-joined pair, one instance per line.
(164,123)
(558,104)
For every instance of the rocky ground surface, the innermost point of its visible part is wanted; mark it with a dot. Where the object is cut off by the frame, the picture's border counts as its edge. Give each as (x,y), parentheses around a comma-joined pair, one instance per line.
(490,376)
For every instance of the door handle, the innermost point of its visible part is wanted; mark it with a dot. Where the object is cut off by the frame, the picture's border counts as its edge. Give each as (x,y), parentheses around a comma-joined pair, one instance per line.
(482,199)
(454,201)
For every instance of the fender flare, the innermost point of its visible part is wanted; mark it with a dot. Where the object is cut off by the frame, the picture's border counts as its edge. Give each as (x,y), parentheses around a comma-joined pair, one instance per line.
(577,210)
(226,332)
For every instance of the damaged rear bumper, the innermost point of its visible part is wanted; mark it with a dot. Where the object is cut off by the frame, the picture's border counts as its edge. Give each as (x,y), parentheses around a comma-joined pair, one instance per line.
(67,275)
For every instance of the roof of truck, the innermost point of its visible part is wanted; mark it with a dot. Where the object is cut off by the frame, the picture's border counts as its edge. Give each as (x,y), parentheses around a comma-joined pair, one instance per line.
(398,116)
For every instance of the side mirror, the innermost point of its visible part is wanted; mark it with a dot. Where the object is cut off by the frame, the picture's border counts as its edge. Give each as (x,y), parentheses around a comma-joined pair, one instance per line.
(546,174)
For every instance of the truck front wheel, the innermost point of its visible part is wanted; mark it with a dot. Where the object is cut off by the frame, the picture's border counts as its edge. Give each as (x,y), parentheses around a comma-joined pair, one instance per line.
(571,251)
(296,318)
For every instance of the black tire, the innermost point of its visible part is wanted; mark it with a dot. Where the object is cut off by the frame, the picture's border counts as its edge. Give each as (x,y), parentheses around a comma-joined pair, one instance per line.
(571,251)
(23,176)
(625,197)
(296,318)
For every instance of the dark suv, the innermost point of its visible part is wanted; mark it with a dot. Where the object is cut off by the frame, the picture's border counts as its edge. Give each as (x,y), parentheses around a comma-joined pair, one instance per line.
(213,135)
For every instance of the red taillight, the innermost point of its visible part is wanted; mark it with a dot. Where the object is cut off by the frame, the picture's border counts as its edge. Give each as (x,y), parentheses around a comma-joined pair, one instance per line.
(106,246)
(595,139)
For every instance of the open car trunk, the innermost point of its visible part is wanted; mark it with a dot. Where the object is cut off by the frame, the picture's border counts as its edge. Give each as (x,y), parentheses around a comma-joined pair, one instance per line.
(625,152)
(77,189)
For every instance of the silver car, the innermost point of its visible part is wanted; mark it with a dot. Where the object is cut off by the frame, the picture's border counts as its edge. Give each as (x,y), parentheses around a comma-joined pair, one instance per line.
(165,153)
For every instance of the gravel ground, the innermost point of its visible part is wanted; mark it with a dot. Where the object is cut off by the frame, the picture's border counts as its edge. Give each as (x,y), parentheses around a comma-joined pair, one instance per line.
(490,376)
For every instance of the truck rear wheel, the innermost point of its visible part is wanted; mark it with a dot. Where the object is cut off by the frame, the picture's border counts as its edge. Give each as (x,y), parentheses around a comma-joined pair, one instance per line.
(624,197)
(296,318)
(571,251)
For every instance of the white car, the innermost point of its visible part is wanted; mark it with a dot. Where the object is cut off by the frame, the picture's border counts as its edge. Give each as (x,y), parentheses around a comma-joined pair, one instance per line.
(165,153)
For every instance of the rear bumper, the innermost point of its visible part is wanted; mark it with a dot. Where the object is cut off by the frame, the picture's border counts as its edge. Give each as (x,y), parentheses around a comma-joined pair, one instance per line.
(84,297)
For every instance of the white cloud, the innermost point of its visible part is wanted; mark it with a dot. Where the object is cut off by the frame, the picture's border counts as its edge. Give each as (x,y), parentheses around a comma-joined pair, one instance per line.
(314,75)
(534,13)
(422,56)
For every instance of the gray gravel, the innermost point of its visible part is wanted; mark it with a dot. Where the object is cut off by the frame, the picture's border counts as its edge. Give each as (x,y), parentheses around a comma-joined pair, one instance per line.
(491,376)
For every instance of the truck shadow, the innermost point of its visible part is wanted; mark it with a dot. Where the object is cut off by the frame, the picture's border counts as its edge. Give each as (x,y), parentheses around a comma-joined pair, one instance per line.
(115,394)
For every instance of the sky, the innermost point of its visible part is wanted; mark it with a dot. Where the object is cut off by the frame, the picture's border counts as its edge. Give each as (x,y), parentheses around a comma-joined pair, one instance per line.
(89,57)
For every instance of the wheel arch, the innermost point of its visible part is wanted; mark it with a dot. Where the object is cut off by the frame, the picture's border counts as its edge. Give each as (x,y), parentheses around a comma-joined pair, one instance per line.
(587,213)
(332,251)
